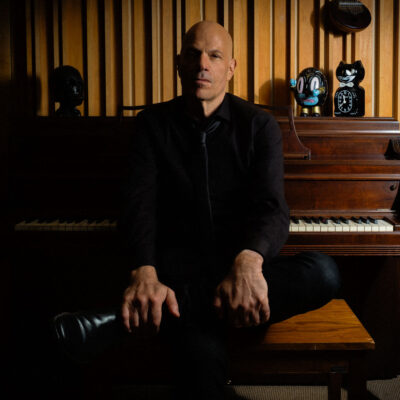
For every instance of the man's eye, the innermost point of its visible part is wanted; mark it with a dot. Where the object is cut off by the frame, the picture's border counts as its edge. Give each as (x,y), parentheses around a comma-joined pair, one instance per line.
(191,53)
(215,56)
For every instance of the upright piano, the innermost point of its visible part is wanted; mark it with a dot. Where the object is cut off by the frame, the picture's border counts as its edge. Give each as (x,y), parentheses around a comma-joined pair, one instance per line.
(342,179)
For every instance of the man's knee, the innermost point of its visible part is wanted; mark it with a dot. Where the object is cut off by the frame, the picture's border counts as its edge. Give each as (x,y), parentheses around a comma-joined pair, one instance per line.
(325,272)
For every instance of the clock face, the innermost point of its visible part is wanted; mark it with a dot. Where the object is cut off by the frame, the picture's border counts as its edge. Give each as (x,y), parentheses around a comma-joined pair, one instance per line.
(345,101)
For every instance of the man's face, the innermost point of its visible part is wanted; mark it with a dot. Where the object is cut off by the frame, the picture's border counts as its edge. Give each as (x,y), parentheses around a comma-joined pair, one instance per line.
(205,64)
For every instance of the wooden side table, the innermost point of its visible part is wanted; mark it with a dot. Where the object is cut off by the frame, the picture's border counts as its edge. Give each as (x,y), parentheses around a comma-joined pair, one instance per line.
(330,340)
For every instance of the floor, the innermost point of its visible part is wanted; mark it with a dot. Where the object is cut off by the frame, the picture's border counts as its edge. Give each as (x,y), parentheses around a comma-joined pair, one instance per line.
(388,389)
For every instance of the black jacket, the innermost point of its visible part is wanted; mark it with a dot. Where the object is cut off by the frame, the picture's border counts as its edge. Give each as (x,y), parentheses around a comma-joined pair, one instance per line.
(245,183)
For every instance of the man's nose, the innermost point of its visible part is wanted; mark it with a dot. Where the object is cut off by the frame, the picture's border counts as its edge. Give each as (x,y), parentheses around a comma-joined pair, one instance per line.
(204,61)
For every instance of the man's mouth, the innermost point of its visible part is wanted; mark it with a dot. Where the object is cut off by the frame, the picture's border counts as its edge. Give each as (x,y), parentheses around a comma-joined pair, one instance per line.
(201,81)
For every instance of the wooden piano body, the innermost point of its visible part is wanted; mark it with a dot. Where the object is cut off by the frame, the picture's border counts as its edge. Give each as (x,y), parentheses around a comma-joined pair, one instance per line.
(65,176)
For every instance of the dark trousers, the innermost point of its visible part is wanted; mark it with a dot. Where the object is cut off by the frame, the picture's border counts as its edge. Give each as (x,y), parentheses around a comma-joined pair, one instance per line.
(296,285)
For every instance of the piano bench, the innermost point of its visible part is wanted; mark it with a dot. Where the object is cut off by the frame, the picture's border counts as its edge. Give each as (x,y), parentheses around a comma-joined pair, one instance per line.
(329,341)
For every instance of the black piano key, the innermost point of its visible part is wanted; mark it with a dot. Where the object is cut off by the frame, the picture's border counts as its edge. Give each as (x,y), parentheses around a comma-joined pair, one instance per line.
(345,220)
(357,220)
(315,220)
(365,220)
(335,220)
(323,220)
(373,220)
(307,220)
(295,220)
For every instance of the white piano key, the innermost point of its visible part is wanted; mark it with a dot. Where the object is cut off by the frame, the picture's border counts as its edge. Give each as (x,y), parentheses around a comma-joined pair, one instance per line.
(385,226)
(354,227)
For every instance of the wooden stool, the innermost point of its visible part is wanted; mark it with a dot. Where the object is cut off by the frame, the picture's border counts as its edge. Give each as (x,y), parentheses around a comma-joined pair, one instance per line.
(330,340)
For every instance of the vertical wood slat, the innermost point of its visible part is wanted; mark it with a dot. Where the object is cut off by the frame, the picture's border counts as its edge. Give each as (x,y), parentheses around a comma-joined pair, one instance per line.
(141,60)
(280,54)
(112,56)
(56,36)
(293,36)
(42,62)
(240,48)
(178,38)
(167,54)
(193,12)
(210,10)
(72,45)
(30,72)
(384,76)
(305,35)
(365,51)
(397,63)
(262,52)
(156,58)
(126,65)
(127,54)
(94,84)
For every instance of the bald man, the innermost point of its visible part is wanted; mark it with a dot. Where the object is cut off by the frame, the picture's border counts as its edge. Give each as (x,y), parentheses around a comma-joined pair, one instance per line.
(206,217)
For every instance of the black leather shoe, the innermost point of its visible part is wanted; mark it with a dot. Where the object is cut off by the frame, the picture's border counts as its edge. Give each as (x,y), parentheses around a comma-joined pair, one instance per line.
(84,335)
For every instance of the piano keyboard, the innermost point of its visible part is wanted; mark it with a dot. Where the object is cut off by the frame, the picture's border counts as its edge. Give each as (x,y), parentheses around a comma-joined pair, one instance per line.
(297,224)
(339,224)
(67,225)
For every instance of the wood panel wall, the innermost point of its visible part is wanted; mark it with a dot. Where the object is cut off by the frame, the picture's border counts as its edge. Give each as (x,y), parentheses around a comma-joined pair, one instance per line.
(125,49)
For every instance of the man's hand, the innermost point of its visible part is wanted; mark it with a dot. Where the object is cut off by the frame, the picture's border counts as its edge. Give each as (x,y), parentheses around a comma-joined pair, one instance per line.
(143,300)
(242,297)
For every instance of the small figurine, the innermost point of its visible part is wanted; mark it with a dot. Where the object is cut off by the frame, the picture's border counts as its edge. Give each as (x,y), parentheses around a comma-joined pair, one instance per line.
(349,97)
(310,91)
(67,84)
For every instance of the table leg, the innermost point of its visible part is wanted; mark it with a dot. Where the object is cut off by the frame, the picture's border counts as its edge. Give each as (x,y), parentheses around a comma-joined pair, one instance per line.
(357,378)
(334,385)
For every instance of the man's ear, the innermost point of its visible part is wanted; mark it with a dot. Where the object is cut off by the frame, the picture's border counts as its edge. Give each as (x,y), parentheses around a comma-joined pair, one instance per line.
(231,70)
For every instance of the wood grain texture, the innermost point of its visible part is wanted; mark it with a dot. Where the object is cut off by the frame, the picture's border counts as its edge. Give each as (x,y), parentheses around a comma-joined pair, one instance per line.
(94,82)
(42,61)
(240,48)
(156,51)
(384,76)
(127,54)
(365,51)
(141,57)
(280,54)
(112,54)
(167,51)
(306,30)
(72,39)
(211,10)
(194,12)
(262,52)
(131,47)
(332,327)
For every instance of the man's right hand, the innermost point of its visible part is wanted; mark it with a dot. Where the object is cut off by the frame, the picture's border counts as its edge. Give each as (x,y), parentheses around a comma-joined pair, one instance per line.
(143,300)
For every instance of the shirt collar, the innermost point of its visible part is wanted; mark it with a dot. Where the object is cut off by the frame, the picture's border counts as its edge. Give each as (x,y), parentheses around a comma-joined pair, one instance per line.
(223,112)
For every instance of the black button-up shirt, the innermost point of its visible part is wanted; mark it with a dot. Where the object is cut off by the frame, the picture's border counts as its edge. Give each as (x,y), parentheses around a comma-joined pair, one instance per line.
(245,171)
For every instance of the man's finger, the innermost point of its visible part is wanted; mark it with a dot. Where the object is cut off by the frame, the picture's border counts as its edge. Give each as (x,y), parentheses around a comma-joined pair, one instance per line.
(134,319)
(218,306)
(125,312)
(155,314)
(265,313)
(172,303)
(143,310)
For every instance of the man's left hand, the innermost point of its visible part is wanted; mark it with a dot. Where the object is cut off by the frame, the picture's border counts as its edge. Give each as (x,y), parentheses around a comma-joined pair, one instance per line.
(242,297)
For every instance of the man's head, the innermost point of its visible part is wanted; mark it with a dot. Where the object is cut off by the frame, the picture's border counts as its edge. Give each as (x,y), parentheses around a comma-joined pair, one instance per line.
(205,64)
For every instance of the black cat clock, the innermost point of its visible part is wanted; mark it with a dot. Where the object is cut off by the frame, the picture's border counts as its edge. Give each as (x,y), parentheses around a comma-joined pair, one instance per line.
(349,97)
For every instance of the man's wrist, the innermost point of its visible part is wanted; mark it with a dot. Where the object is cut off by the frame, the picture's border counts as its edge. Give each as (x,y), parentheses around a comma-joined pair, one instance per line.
(248,260)
(147,272)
